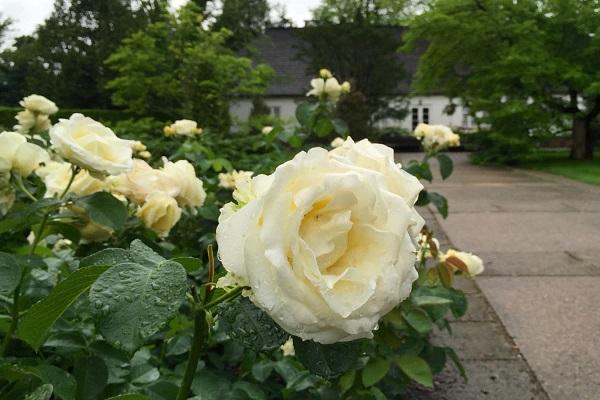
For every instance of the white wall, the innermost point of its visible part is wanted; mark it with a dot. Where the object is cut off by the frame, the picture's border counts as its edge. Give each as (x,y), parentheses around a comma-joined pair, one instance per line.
(434,105)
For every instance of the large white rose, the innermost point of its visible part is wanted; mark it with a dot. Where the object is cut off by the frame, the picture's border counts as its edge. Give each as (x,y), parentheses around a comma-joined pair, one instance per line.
(191,190)
(91,145)
(143,181)
(39,104)
(327,244)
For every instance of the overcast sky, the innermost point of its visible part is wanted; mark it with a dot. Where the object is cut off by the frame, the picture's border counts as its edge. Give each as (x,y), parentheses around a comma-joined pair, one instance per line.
(27,14)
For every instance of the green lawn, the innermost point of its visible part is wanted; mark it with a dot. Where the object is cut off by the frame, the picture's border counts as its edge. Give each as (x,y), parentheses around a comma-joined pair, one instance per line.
(557,162)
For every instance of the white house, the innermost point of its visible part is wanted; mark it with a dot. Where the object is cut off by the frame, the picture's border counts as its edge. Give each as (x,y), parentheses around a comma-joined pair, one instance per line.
(279,49)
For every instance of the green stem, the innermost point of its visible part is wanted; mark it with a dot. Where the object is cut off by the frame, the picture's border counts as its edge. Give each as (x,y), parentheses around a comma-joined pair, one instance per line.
(229,295)
(20,185)
(200,329)
(14,320)
(74,171)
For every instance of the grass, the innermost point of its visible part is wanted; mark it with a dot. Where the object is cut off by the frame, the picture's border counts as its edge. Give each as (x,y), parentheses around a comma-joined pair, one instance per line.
(557,162)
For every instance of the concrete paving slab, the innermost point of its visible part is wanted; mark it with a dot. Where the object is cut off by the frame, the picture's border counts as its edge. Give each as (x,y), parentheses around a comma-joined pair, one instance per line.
(477,341)
(555,263)
(489,380)
(556,325)
(524,232)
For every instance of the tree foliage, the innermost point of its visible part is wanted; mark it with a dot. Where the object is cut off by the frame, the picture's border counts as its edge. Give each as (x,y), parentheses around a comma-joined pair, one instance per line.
(176,69)
(531,66)
(64,58)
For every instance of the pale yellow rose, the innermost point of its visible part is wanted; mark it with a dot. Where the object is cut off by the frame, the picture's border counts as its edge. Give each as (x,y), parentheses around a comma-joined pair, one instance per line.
(143,181)
(191,189)
(288,348)
(56,176)
(230,180)
(91,145)
(26,121)
(186,127)
(39,104)
(159,213)
(28,158)
(266,130)
(327,243)
(329,89)
(346,87)
(325,73)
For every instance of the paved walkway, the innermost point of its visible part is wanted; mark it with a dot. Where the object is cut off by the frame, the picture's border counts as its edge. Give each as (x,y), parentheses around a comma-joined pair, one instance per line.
(539,236)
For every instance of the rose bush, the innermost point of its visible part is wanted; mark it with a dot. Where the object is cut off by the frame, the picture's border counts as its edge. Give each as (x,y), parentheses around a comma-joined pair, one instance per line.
(330,287)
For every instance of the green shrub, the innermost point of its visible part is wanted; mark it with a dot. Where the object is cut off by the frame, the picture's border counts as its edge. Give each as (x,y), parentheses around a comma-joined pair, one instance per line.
(496,148)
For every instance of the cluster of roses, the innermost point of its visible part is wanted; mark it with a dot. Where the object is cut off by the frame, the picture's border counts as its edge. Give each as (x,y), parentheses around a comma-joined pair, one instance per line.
(436,138)
(182,127)
(85,157)
(35,118)
(327,88)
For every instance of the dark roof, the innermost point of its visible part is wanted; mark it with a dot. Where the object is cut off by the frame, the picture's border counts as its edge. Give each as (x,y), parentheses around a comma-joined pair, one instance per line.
(280,48)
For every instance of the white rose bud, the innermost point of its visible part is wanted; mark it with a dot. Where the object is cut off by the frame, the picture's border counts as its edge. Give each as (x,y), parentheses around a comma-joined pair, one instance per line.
(337,142)
(91,145)
(328,243)
(159,213)
(325,73)
(39,104)
(266,130)
(191,189)
(467,262)
(288,348)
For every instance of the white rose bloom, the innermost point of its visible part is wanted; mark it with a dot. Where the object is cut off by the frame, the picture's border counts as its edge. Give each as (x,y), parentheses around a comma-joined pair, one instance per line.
(191,189)
(26,120)
(266,130)
(473,263)
(159,213)
(18,155)
(143,181)
(40,104)
(56,176)
(91,145)
(337,142)
(186,127)
(328,87)
(327,243)
(436,137)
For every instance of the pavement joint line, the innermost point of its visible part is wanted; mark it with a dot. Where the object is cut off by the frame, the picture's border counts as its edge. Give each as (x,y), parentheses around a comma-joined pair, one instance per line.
(532,376)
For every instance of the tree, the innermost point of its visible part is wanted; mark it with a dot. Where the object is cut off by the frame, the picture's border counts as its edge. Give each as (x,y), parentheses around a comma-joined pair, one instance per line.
(245,19)
(353,38)
(176,68)
(66,53)
(5,24)
(533,61)
(382,12)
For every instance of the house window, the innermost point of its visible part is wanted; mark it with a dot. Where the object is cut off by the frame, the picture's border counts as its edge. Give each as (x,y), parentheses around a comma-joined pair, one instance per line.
(426,115)
(276,111)
(466,121)
(415,117)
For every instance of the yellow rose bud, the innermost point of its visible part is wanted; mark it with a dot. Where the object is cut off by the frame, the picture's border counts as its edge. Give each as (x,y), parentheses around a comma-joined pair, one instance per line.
(159,213)
(168,131)
(346,87)
(325,73)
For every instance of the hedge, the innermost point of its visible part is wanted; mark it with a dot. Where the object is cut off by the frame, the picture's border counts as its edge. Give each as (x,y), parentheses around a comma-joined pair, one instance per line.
(7,115)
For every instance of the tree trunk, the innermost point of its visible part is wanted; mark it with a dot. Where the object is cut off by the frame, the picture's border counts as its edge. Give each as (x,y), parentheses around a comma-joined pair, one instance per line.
(581,136)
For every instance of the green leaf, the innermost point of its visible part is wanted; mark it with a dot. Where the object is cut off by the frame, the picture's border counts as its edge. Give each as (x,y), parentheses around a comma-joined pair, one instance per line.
(142,254)
(91,375)
(23,216)
(419,169)
(418,319)
(374,371)
(416,369)
(439,202)
(130,301)
(323,127)
(435,357)
(347,380)
(43,392)
(304,112)
(340,126)
(249,325)
(63,383)
(262,370)
(41,316)
(456,360)
(210,385)
(10,274)
(446,165)
(423,198)
(108,257)
(327,360)
(131,396)
(104,209)
(190,264)
(250,391)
